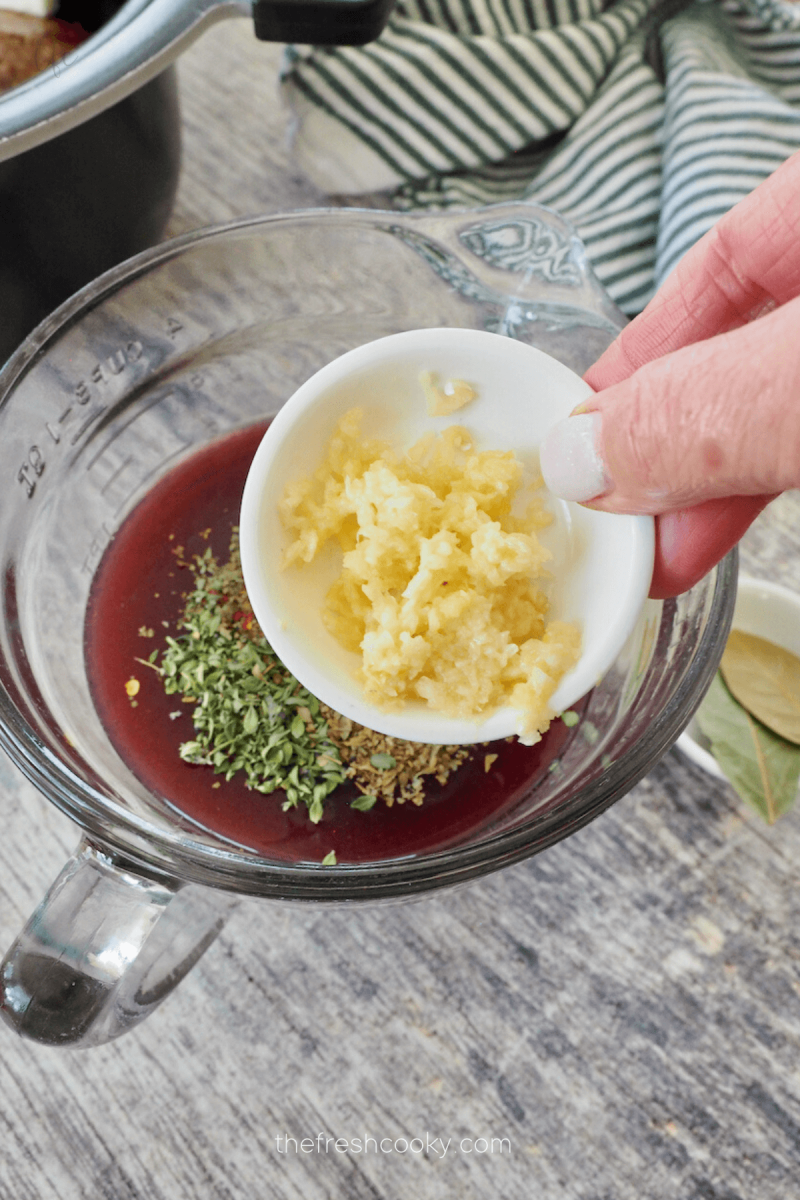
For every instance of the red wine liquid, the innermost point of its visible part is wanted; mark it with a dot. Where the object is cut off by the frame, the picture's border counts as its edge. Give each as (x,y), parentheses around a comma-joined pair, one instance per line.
(139,585)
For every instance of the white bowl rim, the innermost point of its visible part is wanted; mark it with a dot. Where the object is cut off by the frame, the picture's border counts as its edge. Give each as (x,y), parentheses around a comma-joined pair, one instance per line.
(407,723)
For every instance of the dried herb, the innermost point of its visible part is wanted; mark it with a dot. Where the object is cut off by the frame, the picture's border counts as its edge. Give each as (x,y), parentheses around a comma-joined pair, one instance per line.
(765,679)
(252,715)
(384,762)
(403,766)
(364,802)
(763,767)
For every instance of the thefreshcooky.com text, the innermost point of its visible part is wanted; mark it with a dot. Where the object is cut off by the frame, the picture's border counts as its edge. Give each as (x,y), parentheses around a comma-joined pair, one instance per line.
(431,1147)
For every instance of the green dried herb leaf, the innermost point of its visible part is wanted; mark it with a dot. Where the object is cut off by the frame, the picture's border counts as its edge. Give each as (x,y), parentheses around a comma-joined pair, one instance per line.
(765,679)
(383,762)
(330,859)
(246,716)
(763,767)
(364,803)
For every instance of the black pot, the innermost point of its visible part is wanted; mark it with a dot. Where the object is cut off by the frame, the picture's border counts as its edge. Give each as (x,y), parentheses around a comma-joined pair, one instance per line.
(90,147)
(79,203)
(84,201)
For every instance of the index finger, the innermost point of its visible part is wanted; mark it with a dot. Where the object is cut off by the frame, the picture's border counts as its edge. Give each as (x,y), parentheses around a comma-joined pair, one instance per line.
(746,265)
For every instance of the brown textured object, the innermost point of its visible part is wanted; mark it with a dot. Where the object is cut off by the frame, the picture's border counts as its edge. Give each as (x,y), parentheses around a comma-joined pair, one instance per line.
(29,45)
(398,780)
(765,679)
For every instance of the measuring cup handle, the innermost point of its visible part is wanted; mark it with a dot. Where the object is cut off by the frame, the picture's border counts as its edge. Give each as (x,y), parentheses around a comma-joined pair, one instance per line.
(103,949)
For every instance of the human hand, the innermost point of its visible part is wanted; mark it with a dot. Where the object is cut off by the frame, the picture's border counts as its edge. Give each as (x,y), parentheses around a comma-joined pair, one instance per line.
(697,414)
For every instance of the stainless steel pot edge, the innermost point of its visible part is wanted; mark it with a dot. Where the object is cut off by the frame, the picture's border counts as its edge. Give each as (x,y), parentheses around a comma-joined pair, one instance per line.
(137,44)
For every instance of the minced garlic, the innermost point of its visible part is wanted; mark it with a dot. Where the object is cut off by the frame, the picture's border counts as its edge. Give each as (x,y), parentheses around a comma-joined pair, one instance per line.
(439,585)
(446,399)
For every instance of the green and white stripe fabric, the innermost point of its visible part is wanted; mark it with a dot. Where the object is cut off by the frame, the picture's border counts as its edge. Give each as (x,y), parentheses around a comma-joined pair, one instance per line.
(641,131)
(732,114)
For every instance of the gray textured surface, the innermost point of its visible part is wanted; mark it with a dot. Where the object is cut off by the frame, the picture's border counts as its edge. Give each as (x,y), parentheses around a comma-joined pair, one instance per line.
(624,1009)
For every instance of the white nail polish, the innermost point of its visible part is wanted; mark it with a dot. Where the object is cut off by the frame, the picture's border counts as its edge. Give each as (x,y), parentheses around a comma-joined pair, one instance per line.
(570,458)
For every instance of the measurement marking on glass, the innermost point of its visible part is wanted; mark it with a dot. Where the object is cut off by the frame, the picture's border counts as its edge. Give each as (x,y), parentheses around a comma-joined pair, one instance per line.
(116,474)
(123,426)
(35,464)
(155,473)
(84,425)
(97,546)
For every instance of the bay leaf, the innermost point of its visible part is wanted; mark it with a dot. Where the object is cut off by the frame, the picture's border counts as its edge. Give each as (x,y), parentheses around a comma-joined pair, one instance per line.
(765,679)
(763,767)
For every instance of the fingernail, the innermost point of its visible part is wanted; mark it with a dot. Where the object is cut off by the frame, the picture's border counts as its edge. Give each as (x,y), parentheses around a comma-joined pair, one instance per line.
(571,461)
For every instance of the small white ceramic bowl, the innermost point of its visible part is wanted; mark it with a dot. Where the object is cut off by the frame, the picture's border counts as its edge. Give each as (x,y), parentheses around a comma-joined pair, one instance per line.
(602,564)
(766,610)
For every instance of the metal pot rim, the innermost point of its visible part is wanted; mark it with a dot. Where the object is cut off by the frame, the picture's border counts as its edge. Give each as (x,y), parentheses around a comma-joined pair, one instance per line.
(137,44)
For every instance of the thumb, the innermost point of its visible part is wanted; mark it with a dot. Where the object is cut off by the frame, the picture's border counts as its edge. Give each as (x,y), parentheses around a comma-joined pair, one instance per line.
(714,419)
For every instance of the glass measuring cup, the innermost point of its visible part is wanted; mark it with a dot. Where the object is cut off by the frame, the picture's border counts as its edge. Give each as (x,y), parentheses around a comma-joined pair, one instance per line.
(161,356)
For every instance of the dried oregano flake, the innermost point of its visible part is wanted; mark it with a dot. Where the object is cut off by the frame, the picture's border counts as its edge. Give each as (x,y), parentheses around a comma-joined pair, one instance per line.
(252,715)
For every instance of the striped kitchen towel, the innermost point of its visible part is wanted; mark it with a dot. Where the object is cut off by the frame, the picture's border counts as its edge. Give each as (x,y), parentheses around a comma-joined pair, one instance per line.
(640,121)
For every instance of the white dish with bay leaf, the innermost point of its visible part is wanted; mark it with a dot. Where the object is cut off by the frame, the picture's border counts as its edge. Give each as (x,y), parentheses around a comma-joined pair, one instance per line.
(730,742)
